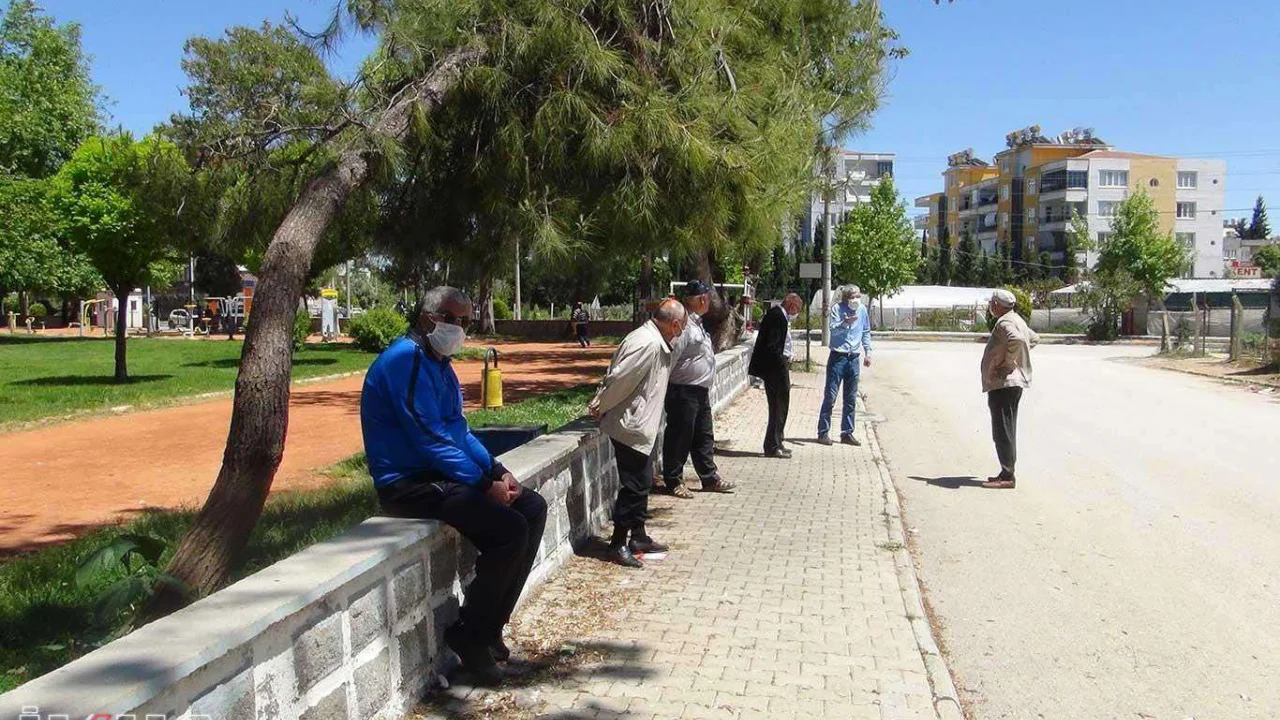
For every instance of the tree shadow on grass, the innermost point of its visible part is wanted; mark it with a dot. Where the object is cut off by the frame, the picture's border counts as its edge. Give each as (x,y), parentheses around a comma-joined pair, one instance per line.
(88,380)
(227,363)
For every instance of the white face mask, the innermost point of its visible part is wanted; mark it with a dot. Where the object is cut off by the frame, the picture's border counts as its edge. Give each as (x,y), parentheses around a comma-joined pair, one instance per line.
(447,338)
(853,303)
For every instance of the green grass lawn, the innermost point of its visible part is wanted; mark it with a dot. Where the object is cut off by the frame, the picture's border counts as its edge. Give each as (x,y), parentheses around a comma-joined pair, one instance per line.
(41,378)
(46,620)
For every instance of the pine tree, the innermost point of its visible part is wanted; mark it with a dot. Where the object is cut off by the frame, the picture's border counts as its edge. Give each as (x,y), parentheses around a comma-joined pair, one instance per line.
(946,265)
(933,266)
(922,270)
(985,267)
(1046,269)
(1008,276)
(1259,228)
(966,268)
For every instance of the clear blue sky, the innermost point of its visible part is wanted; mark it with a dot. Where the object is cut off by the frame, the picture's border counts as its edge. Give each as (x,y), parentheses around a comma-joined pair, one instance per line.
(1175,77)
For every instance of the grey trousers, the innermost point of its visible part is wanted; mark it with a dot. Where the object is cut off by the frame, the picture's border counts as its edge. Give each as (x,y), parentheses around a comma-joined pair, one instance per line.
(1004,427)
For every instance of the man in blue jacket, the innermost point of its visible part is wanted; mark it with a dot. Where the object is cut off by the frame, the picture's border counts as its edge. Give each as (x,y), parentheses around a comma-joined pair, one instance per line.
(850,345)
(426,464)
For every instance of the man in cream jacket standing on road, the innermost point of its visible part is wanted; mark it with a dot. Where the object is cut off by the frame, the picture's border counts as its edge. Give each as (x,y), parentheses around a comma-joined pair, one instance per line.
(629,408)
(1006,371)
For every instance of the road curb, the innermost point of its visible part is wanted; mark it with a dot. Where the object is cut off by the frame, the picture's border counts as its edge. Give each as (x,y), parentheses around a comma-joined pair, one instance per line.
(1239,382)
(946,700)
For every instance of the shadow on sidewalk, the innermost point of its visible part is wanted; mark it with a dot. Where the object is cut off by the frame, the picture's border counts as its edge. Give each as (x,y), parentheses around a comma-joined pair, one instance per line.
(952,482)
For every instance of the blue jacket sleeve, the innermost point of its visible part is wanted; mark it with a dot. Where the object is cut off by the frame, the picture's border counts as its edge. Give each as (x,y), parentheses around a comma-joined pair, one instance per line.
(866,330)
(413,396)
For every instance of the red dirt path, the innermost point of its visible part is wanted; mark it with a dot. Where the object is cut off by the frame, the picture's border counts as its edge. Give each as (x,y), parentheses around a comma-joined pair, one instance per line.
(60,481)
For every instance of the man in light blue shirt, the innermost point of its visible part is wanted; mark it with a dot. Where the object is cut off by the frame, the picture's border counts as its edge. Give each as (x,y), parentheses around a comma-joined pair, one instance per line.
(850,343)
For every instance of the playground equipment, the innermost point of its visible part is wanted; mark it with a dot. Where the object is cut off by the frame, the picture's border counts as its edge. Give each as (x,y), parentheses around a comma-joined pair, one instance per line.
(491,382)
(84,315)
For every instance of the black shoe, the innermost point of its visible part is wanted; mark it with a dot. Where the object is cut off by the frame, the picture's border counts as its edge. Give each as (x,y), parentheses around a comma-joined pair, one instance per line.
(473,655)
(850,440)
(499,650)
(646,544)
(622,555)
(783,453)
(824,440)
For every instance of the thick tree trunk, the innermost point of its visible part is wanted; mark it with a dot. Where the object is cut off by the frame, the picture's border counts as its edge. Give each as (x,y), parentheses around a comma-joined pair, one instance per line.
(484,302)
(720,322)
(122,332)
(260,412)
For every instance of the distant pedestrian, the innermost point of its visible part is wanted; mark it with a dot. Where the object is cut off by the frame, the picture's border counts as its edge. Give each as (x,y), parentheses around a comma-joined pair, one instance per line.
(850,350)
(1006,371)
(771,362)
(629,408)
(580,318)
(690,427)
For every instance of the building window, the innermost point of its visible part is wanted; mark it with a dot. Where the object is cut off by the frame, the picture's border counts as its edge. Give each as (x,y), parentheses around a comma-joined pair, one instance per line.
(1004,219)
(1004,165)
(1107,208)
(1188,180)
(884,168)
(1031,187)
(1004,192)
(1187,240)
(1077,179)
(1186,211)
(1155,183)
(1103,237)
(1113,178)
(1031,215)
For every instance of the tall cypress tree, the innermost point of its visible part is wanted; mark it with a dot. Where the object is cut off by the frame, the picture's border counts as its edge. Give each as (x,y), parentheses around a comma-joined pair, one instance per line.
(946,265)
(966,266)
(1259,228)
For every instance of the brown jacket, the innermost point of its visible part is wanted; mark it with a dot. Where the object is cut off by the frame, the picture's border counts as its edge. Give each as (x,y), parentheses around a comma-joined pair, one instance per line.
(1006,362)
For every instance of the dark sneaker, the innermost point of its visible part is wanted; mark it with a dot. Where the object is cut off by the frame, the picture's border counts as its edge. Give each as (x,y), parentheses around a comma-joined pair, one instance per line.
(646,544)
(999,483)
(824,440)
(622,555)
(850,440)
(474,656)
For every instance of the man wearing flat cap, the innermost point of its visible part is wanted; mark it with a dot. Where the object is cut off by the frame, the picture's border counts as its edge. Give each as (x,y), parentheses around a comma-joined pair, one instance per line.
(690,428)
(1006,371)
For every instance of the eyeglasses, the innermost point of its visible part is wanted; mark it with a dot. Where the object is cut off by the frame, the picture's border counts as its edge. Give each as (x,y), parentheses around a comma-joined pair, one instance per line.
(462,321)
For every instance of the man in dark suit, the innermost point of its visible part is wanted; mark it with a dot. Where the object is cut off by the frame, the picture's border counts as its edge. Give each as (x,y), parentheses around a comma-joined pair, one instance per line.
(771,361)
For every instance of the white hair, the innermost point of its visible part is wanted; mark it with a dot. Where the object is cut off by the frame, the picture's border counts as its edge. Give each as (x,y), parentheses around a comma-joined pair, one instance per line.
(849,291)
(434,300)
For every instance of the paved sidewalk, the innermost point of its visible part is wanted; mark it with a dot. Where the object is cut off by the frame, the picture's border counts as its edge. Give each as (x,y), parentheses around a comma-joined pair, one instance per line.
(783,600)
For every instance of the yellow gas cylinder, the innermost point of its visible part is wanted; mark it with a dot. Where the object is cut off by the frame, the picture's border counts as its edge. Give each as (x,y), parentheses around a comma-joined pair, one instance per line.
(491,382)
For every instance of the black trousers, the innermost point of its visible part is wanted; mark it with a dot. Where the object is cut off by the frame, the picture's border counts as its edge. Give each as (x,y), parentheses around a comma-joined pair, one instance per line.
(1004,427)
(777,391)
(634,482)
(690,429)
(507,537)
(583,340)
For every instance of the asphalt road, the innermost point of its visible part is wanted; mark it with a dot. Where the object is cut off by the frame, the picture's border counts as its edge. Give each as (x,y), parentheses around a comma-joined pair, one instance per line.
(1134,572)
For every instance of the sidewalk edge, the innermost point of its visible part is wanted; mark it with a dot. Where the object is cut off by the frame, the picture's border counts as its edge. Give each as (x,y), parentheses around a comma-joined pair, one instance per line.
(946,700)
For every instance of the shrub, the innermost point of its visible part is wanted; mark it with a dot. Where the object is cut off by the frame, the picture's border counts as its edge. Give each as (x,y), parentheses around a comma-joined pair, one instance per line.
(37,310)
(301,328)
(501,310)
(1070,328)
(376,329)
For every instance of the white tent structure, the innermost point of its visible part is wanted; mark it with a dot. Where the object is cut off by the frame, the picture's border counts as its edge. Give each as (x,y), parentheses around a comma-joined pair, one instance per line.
(923,297)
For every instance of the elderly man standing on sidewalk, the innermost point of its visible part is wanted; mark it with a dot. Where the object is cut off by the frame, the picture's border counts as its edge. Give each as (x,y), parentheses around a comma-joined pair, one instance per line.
(629,408)
(771,362)
(688,403)
(1006,370)
(850,344)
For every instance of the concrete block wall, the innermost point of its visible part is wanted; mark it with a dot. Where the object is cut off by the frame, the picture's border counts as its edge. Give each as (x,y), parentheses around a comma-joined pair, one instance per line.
(350,628)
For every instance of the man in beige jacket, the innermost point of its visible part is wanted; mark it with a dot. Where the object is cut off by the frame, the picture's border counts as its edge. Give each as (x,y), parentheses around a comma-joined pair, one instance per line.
(1006,371)
(629,407)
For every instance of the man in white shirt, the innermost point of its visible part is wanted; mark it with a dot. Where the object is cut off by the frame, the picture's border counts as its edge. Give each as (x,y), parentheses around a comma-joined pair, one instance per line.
(690,426)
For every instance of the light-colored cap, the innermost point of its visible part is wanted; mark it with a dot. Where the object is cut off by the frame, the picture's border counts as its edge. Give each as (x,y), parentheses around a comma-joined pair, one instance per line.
(1004,298)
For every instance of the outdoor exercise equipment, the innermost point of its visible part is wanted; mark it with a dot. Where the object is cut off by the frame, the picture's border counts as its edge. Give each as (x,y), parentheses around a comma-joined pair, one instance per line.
(84,314)
(491,382)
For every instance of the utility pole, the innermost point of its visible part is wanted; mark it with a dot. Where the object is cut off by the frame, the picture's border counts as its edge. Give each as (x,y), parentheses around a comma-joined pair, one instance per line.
(348,291)
(517,315)
(828,172)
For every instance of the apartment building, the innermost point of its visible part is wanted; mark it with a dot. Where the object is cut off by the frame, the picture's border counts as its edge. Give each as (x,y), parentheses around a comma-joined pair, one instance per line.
(856,173)
(1024,199)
